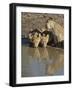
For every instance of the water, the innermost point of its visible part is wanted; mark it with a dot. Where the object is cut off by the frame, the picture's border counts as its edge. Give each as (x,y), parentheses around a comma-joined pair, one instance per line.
(41,61)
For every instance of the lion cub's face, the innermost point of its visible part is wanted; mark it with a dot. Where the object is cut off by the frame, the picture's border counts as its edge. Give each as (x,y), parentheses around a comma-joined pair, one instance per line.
(50,24)
(35,38)
(44,39)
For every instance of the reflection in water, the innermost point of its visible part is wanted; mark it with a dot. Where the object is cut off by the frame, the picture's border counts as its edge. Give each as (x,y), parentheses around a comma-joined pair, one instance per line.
(42,61)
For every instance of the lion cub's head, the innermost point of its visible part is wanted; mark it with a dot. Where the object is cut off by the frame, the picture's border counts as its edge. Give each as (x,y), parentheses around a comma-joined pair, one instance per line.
(35,37)
(50,24)
(44,39)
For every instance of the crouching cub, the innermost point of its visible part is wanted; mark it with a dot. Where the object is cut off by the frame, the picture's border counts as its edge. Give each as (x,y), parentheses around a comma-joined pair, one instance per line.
(44,39)
(48,38)
(35,37)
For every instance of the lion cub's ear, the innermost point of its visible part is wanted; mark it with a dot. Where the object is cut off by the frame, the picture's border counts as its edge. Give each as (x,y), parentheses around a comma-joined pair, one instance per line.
(30,36)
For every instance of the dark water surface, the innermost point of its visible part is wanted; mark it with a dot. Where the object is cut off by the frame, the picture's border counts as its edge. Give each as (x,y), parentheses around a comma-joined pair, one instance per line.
(42,61)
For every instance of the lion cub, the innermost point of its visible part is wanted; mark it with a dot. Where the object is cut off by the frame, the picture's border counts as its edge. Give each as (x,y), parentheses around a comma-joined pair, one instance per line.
(57,29)
(44,38)
(35,37)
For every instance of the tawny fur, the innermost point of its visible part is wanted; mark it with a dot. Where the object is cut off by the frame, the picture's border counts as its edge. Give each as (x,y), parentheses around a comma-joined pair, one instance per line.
(35,39)
(44,40)
(57,29)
